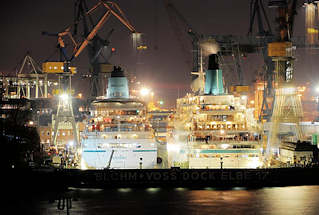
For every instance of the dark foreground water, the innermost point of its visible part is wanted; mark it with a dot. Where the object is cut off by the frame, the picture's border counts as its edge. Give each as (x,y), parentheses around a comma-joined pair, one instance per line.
(276,201)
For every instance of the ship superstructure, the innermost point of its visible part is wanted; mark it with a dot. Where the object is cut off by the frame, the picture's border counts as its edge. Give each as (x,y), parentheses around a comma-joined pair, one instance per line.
(214,129)
(118,134)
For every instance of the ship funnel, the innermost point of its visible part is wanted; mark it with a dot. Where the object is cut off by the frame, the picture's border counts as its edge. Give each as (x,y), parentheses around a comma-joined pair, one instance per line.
(117,85)
(214,77)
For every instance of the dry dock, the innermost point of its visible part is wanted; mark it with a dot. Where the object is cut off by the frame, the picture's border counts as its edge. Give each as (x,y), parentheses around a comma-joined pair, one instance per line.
(37,179)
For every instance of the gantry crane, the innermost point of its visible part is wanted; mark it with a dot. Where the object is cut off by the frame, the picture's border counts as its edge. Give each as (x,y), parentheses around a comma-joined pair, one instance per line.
(174,14)
(264,32)
(65,71)
(97,47)
(229,45)
(175,17)
(29,81)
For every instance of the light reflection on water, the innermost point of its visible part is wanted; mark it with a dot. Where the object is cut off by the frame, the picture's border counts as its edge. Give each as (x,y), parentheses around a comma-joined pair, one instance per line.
(272,201)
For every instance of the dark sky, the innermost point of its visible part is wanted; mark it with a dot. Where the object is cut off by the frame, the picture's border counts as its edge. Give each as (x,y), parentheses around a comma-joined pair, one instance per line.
(164,69)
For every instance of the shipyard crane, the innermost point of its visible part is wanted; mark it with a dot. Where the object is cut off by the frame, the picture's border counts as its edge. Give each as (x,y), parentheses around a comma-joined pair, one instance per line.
(96,48)
(63,69)
(264,32)
(35,75)
(174,17)
(228,46)
(111,9)
(256,42)
(287,104)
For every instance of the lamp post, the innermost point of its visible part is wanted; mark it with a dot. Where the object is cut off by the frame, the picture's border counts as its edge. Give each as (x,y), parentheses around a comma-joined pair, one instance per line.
(141,163)
(221,162)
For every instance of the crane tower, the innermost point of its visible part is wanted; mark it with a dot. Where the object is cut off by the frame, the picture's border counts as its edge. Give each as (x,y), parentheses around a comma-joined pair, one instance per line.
(62,68)
(287,104)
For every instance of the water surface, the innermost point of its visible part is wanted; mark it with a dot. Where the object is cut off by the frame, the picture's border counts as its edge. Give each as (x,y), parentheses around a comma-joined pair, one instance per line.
(183,201)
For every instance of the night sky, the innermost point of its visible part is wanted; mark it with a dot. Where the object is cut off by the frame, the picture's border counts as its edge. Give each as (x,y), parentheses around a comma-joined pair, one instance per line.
(163,67)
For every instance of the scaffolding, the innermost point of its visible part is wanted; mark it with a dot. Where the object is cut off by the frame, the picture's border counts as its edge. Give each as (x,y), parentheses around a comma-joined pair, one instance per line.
(64,118)
(287,104)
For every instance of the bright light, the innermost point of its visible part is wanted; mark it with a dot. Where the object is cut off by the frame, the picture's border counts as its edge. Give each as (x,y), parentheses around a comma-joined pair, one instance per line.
(145,91)
(64,97)
(152,189)
(255,163)
(83,165)
(173,147)
(31,122)
(180,189)
(188,124)
(124,190)
(71,143)
(317,89)
(289,90)
(243,97)
(224,146)
(222,131)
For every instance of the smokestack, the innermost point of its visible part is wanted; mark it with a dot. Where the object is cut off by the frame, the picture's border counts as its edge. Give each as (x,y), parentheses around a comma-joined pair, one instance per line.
(213,62)
(117,85)
(214,77)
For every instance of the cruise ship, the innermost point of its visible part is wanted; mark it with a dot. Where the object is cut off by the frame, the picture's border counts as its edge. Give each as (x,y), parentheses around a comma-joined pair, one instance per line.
(118,134)
(214,129)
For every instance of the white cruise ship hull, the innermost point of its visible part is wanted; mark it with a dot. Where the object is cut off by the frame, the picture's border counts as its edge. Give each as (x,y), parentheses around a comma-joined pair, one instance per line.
(132,154)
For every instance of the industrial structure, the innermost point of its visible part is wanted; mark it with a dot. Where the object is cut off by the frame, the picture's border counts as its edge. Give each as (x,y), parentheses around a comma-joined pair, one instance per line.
(99,50)
(63,69)
(287,104)
(222,123)
(280,100)
(29,81)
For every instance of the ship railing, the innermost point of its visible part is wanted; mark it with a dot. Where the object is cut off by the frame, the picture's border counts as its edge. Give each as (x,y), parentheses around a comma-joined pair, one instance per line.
(121,129)
(237,142)
(117,131)
(217,130)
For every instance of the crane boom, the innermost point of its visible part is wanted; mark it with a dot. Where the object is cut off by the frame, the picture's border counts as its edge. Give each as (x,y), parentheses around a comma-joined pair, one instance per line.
(92,33)
(112,9)
(120,16)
